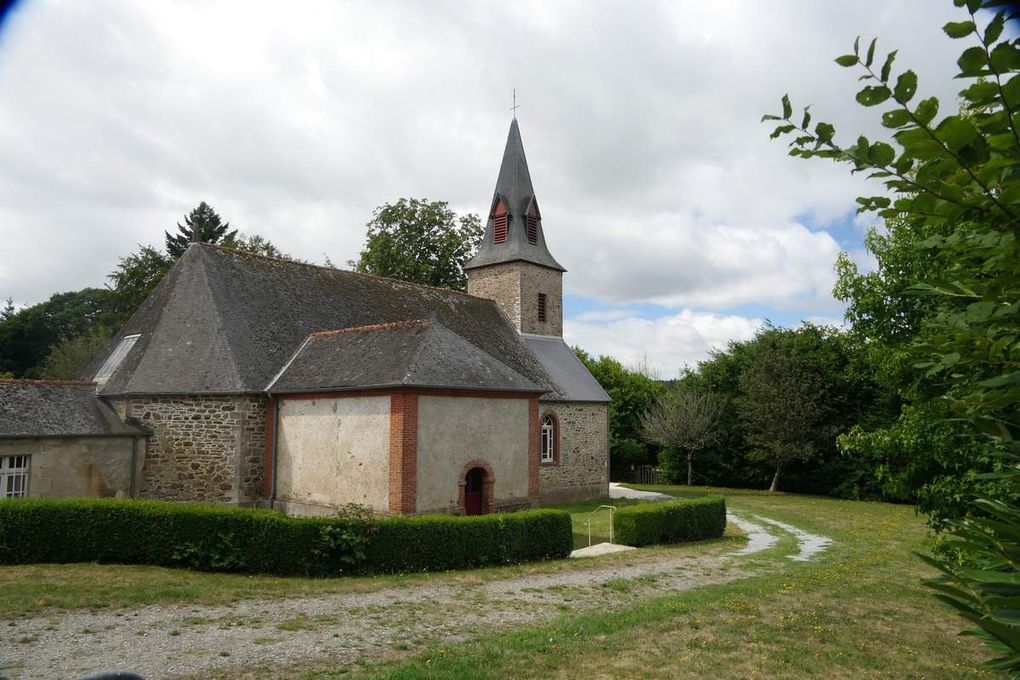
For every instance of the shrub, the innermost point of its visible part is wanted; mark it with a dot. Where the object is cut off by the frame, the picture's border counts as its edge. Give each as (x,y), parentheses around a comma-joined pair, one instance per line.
(670,522)
(220,538)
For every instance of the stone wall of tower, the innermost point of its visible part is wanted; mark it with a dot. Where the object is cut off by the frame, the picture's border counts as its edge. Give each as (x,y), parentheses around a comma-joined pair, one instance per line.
(502,283)
(515,286)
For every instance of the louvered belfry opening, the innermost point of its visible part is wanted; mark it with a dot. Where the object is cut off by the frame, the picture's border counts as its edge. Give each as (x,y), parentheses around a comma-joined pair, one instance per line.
(541,307)
(500,223)
(534,219)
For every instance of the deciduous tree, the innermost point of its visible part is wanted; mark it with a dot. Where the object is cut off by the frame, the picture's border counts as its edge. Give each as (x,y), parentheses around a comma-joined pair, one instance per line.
(684,421)
(420,241)
(784,407)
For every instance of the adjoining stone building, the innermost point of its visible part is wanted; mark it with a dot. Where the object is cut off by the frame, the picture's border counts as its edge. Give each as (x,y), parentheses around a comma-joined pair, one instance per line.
(268,382)
(58,439)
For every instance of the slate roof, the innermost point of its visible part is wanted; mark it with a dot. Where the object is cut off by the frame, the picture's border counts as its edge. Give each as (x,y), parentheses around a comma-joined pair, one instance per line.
(415,353)
(226,322)
(574,381)
(514,186)
(42,408)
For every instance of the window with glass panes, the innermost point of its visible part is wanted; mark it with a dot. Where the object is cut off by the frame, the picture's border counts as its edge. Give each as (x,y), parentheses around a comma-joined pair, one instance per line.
(14,476)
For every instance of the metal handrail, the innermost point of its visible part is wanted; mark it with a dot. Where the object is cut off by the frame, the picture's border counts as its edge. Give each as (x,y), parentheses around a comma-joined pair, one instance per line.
(611,508)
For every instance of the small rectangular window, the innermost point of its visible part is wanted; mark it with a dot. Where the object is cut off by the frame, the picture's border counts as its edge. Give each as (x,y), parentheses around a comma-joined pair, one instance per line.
(117,356)
(14,476)
(541,307)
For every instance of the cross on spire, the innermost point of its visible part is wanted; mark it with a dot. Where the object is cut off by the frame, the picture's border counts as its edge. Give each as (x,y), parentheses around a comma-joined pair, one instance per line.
(514,108)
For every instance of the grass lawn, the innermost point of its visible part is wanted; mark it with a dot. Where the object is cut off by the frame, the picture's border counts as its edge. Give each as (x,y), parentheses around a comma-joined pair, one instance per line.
(857,611)
(580,513)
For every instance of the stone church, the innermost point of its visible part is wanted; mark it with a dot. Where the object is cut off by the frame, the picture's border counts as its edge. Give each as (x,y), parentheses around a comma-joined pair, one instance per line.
(255,381)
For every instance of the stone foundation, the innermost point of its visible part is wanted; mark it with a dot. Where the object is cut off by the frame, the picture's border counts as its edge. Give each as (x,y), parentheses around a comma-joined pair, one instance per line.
(207,449)
(582,468)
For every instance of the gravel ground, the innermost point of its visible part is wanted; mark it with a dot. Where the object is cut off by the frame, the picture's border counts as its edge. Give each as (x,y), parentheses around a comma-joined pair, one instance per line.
(252,637)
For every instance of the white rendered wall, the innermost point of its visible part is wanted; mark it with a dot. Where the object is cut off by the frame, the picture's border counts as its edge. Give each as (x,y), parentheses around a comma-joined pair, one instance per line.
(455,430)
(333,451)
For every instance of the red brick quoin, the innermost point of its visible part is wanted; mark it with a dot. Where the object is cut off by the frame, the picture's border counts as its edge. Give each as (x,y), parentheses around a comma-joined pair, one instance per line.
(403,452)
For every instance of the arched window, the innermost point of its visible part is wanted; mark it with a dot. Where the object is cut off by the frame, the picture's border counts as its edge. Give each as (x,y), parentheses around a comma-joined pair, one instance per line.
(500,223)
(534,220)
(548,439)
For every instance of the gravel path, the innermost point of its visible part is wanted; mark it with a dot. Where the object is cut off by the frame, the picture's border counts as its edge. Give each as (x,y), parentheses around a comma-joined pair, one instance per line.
(185,641)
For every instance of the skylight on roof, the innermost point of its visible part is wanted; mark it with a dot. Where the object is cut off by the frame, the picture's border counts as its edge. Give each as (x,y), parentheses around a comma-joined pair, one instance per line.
(116,357)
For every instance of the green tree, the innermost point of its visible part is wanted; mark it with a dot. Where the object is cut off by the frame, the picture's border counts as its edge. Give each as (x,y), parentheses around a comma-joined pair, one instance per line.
(783,406)
(421,241)
(685,421)
(954,182)
(855,398)
(135,277)
(256,245)
(27,335)
(204,221)
(74,358)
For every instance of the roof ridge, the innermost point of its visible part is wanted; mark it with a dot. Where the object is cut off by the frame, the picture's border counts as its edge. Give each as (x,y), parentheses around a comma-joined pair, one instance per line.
(33,381)
(284,260)
(410,323)
(225,335)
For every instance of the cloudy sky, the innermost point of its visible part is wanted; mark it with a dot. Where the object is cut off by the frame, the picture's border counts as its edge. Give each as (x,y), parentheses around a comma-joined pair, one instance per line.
(682,226)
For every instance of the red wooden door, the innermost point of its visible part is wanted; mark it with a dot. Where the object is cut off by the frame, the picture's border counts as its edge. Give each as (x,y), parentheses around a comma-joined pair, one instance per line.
(473,491)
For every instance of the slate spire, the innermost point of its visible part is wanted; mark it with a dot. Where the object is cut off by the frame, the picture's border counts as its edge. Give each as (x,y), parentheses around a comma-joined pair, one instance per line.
(524,239)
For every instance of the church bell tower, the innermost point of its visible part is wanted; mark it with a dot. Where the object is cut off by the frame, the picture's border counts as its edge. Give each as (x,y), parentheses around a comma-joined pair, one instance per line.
(513,265)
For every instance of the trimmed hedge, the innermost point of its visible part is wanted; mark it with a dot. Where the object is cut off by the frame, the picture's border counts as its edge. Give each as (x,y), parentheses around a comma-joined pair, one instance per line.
(221,538)
(670,521)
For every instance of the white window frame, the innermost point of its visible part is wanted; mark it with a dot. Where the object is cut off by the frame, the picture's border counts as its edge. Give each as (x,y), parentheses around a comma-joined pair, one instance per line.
(548,440)
(14,475)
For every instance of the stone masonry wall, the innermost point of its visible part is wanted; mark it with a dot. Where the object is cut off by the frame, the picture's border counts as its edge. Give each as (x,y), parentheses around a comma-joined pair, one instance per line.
(535,280)
(515,287)
(202,448)
(581,471)
(502,283)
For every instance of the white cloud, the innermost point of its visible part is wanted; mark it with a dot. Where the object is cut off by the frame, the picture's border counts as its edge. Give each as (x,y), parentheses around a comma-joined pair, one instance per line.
(678,260)
(666,344)
(657,181)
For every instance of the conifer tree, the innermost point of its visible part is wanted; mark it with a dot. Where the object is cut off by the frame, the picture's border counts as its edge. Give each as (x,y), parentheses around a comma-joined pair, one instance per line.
(203,220)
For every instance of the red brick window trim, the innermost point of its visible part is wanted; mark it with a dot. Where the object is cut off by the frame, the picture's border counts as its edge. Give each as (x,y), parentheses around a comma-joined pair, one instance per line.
(500,223)
(542,307)
(549,439)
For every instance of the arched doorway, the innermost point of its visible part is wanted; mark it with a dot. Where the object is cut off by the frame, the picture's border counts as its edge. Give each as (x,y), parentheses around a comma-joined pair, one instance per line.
(474,491)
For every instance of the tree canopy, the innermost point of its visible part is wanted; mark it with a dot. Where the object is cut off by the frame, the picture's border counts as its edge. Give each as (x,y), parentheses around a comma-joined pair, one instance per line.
(420,241)
(685,421)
